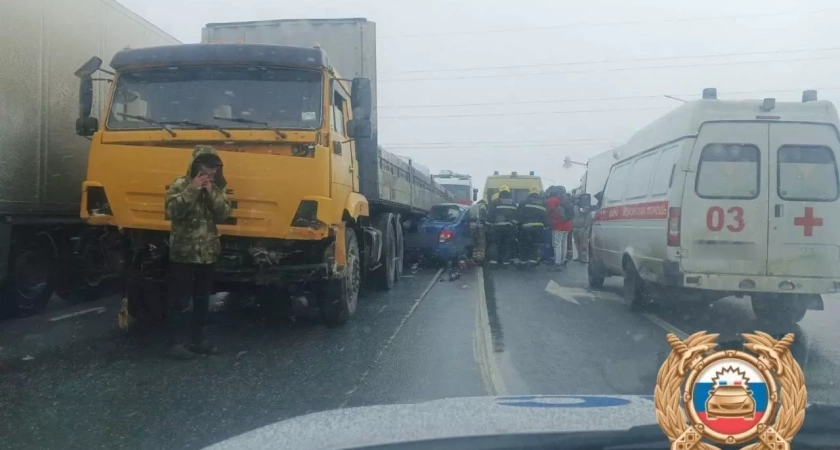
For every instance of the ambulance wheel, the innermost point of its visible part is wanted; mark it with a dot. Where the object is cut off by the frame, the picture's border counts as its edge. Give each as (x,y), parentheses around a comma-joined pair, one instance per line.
(596,277)
(634,289)
(342,296)
(778,309)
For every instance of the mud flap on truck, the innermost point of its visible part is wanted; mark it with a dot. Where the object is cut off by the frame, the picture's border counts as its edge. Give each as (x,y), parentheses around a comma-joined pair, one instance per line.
(385,274)
(372,248)
(339,296)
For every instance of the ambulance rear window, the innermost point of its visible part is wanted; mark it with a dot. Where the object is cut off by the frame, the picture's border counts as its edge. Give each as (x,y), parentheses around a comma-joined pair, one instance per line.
(807,173)
(728,171)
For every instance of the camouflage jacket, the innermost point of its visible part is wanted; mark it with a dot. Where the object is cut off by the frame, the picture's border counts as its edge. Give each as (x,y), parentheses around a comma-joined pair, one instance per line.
(194,214)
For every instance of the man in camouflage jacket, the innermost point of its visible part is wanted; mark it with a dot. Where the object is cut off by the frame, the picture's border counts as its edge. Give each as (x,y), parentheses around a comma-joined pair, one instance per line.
(194,204)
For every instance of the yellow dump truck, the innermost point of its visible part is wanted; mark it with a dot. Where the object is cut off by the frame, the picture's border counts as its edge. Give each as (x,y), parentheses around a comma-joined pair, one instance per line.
(318,205)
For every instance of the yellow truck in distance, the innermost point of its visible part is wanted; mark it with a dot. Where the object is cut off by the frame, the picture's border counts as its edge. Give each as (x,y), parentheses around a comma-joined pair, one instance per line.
(318,205)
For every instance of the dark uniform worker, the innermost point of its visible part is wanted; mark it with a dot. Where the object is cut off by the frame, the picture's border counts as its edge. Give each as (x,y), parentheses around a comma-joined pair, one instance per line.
(502,218)
(478,223)
(533,221)
(194,204)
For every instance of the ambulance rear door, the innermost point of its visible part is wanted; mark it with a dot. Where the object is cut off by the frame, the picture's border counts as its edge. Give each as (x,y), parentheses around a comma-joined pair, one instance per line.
(724,213)
(803,237)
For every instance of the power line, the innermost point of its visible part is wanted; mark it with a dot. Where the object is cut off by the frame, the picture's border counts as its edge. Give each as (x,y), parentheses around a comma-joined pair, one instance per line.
(524,113)
(606,61)
(617,69)
(605,24)
(572,100)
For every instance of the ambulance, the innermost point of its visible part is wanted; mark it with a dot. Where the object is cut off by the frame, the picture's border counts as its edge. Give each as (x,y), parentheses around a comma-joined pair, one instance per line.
(721,198)
(520,185)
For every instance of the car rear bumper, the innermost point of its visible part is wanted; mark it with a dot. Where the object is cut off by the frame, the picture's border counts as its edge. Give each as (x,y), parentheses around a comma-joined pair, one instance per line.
(754,283)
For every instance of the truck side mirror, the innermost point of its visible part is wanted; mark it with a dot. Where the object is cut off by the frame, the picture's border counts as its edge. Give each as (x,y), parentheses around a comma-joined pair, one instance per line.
(362,98)
(86,126)
(475,195)
(359,128)
(89,68)
(85,96)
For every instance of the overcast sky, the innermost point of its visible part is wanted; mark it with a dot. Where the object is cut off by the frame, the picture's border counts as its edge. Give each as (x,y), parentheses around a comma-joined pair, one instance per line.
(577,59)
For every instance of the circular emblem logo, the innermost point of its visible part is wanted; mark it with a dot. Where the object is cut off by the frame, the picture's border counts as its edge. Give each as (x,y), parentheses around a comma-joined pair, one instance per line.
(730,393)
(730,397)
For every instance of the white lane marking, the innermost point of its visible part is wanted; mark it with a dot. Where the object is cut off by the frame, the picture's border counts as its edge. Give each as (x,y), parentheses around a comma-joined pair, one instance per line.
(98,310)
(484,354)
(568,293)
(417,301)
(666,326)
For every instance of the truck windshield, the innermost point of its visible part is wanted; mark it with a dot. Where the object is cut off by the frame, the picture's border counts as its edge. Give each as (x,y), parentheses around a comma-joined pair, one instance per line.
(234,97)
(460,192)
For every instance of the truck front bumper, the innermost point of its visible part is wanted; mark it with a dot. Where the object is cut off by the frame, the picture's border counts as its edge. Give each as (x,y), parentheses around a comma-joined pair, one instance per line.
(278,274)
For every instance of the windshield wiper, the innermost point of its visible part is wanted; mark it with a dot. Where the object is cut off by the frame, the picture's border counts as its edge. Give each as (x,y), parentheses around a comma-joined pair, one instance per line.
(207,126)
(257,122)
(149,121)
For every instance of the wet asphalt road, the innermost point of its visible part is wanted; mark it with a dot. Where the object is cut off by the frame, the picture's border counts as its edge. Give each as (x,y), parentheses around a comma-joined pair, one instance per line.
(80,382)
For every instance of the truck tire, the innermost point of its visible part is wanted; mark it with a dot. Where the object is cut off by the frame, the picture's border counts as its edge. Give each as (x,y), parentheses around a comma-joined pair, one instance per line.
(385,275)
(400,259)
(92,273)
(29,285)
(342,296)
(778,309)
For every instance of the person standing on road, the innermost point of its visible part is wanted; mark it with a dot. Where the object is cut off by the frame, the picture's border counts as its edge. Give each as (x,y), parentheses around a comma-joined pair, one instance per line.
(581,225)
(502,218)
(194,204)
(533,219)
(558,211)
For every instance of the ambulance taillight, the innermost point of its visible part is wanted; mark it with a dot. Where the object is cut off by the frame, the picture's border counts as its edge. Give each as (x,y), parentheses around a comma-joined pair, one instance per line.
(674,227)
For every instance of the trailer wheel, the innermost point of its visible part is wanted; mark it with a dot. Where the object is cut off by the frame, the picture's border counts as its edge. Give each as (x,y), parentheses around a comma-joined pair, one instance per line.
(386,273)
(400,258)
(342,296)
(29,285)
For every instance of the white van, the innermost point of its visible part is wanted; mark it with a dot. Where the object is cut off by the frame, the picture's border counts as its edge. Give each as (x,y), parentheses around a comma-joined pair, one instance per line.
(726,198)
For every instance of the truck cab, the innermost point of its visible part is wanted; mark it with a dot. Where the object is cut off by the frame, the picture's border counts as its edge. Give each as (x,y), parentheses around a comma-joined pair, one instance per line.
(459,185)
(285,124)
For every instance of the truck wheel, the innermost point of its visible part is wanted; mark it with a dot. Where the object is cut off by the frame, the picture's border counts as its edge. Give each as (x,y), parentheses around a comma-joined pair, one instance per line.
(400,258)
(93,272)
(342,296)
(386,273)
(634,289)
(596,277)
(29,285)
(778,309)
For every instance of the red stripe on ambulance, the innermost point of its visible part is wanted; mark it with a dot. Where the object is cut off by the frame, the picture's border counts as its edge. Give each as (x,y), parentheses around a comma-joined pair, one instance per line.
(641,211)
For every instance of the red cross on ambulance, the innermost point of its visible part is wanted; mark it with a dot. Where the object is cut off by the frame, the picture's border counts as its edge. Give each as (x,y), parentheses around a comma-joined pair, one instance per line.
(808,221)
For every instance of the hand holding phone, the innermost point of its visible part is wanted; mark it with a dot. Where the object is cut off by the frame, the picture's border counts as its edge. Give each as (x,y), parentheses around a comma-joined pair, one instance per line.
(200,180)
